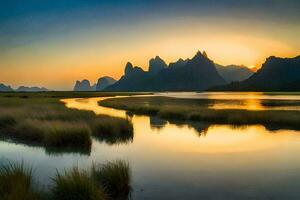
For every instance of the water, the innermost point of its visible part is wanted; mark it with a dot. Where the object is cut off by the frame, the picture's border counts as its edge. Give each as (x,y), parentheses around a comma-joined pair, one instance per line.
(240,100)
(187,160)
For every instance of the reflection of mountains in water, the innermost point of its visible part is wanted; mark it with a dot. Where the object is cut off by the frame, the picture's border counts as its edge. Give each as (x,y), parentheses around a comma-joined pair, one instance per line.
(201,128)
(116,139)
(157,123)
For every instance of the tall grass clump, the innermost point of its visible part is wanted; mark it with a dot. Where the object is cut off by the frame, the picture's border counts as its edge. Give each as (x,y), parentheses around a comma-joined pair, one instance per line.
(112,129)
(16,183)
(106,181)
(76,185)
(114,177)
(54,134)
(101,182)
(6,119)
(66,134)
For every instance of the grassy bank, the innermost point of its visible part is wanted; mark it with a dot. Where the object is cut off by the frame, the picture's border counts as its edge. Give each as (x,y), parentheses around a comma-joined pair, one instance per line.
(102,182)
(112,130)
(67,94)
(198,110)
(42,120)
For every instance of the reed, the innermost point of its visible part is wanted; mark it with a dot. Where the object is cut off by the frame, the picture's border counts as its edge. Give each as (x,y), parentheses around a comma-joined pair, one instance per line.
(114,177)
(16,182)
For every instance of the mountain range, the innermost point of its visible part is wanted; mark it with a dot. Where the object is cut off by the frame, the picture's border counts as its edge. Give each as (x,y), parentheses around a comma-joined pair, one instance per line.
(101,84)
(275,74)
(233,73)
(198,73)
(7,88)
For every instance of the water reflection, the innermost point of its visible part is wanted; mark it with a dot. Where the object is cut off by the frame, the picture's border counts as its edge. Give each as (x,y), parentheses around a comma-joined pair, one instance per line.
(51,151)
(116,139)
(157,123)
(214,138)
(243,100)
(172,160)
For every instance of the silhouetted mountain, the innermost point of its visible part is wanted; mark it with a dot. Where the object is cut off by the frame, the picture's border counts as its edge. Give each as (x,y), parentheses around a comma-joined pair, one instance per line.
(94,87)
(83,85)
(104,82)
(196,74)
(31,89)
(276,74)
(232,73)
(5,88)
(133,80)
(178,64)
(156,65)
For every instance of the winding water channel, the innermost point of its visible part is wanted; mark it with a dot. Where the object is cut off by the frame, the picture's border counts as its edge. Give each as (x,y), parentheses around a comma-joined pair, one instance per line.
(187,160)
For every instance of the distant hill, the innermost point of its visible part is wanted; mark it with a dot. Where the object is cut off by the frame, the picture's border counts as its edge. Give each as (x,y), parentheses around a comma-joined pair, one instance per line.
(104,82)
(233,73)
(276,74)
(31,89)
(83,85)
(198,73)
(101,84)
(5,88)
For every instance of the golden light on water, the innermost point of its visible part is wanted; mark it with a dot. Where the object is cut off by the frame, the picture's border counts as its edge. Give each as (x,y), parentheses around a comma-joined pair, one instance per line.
(184,138)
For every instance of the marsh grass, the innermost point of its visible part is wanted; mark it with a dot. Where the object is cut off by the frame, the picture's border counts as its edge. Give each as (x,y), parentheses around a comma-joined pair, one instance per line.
(66,134)
(112,130)
(76,185)
(16,183)
(45,121)
(170,108)
(101,182)
(106,181)
(114,177)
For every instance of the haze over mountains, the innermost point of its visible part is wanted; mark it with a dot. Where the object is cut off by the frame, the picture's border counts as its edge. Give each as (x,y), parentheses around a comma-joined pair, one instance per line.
(276,74)
(232,73)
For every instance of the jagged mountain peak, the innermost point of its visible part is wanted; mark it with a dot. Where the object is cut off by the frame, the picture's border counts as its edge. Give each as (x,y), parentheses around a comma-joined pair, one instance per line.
(200,55)
(156,64)
(128,68)
(157,58)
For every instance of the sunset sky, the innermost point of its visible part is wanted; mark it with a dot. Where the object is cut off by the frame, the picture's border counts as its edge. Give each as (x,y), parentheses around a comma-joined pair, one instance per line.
(54,43)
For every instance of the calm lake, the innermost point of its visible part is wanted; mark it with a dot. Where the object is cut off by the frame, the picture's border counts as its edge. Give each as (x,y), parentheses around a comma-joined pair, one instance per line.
(188,160)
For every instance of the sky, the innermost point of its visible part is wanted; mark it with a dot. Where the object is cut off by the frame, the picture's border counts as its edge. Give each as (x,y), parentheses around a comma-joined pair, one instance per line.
(54,43)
